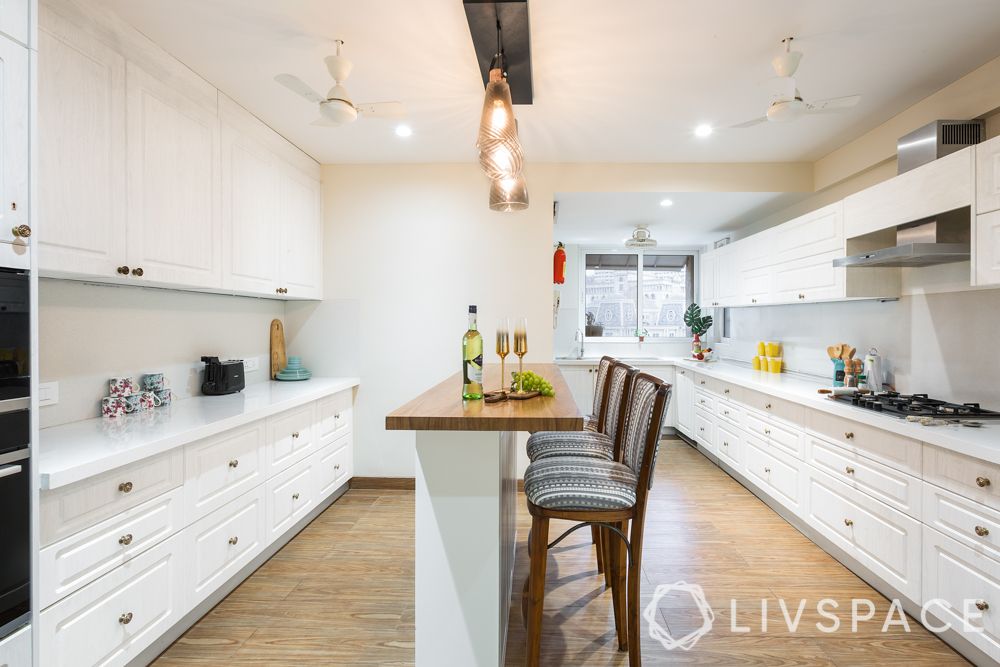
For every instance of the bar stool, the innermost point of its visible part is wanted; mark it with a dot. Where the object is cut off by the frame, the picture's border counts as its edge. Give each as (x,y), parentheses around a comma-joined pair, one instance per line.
(610,494)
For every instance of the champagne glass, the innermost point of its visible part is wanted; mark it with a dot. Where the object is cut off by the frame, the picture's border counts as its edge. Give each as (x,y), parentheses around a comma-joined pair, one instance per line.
(503,349)
(521,349)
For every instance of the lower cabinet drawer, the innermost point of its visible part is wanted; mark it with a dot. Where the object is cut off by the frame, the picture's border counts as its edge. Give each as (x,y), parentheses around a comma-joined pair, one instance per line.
(893,450)
(290,496)
(335,416)
(778,474)
(75,561)
(113,619)
(882,539)
(728,411)
(704,430)
(967,476)
(774,407)
(70,509)
(333,466)
(785,438)
(15,649)
(290,438)
(223,542)
(704,400)
(891,486)
(966,580)
(971,523)
(729,445)
(223,467)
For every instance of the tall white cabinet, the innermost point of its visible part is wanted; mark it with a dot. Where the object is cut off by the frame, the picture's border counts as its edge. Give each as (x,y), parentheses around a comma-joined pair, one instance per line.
(153,177)
(14,142)
(986,240)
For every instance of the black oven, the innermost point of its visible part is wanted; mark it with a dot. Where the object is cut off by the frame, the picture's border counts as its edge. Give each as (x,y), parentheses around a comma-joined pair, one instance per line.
(15,488)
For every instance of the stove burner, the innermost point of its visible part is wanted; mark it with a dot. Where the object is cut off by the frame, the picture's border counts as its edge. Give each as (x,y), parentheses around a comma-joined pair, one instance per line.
(921,405)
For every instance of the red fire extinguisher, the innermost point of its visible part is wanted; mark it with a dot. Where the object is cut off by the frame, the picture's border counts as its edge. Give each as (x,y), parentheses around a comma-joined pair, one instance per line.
(559,265)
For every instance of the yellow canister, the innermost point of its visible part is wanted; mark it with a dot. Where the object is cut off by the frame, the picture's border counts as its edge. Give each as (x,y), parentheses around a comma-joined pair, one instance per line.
(756,363)
(761,349)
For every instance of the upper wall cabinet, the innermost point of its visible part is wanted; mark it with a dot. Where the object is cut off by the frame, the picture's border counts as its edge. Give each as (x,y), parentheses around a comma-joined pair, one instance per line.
(152,177)
(14,18)
(988,176)
(14,140)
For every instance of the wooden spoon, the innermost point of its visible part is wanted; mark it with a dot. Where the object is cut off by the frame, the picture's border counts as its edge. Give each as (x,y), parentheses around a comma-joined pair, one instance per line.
(849,352)
(830,350)
(838,349)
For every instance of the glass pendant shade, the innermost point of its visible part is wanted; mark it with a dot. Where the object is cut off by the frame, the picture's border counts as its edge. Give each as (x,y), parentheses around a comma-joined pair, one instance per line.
(509,194)
(500,153)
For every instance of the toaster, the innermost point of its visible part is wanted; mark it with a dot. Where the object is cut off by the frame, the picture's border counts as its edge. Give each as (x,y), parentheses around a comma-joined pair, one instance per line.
(222,377)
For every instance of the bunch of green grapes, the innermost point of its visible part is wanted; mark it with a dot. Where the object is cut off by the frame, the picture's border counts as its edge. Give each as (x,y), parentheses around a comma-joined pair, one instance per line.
(532,382)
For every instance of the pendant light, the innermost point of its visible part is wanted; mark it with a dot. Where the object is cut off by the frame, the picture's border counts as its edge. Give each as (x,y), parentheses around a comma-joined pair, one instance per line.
(509,194)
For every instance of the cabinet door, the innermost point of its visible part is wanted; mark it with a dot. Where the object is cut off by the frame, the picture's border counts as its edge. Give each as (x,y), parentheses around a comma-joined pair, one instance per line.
(14,19)
(81,152)
(987,259)
(14,163)
(809,279)
(290,496)
(684,395)
(301,234)
(174,230)
(815,233)
(988,176)
(249,214)
(223,467)
(709,268)
(727,277)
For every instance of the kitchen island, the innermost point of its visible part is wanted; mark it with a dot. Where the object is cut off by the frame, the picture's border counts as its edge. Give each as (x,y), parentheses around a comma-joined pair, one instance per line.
(466,491)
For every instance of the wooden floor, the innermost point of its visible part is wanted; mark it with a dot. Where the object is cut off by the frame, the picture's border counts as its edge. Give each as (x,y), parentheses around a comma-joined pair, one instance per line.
(341,593)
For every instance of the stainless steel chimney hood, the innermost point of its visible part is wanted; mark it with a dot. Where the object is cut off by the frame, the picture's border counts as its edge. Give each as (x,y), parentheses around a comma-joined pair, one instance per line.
(942,240)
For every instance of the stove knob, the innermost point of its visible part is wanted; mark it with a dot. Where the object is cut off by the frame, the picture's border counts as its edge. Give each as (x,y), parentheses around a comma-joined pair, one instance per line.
(878,406)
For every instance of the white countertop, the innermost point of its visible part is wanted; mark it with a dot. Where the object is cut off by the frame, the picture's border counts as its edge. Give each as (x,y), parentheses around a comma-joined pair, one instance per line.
(982,443)
(76,451)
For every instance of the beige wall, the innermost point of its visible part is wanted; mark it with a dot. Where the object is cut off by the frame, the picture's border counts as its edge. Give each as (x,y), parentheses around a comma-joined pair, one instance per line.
(87,333)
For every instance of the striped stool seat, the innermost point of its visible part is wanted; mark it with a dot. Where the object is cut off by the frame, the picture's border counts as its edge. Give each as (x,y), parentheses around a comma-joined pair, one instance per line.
(573,483)
(546,444)
(590,423)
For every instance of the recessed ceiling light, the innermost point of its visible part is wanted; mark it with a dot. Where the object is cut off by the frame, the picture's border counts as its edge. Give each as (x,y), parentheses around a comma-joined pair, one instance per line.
(703,130)
(403,131)
(666,202)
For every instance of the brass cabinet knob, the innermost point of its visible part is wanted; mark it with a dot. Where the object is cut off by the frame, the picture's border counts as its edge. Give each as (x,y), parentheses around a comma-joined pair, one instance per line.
(20,231)
(982,482)
(125,618)
(725,444)
(336,467)
(849,435)
(767,406)
(295,496)
(701,428)
(295,434)
(802,296)
(849,470)
(982,531)
(703,382)
(137,272)
(125,487)
(683,372)
(234,463)
(122,270)
(125,539)
(848,522)
(725,391)
(725,412)
(753,300)
(767,470)
(702,401)
(767,431)
(982,605)
(234,539)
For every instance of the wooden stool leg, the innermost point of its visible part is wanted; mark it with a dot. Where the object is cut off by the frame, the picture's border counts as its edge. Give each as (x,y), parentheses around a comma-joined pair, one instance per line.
(619,559)
(536,588)
(595,536)
(607,542)
(634,579)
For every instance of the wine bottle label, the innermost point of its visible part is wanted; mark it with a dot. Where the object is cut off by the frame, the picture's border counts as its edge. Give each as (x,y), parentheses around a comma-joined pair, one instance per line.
(475,372)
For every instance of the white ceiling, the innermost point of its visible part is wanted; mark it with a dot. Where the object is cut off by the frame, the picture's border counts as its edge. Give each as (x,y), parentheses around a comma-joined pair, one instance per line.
(694,219)
(614,81)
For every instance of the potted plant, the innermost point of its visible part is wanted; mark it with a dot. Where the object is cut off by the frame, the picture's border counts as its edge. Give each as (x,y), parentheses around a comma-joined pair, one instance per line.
(699,326)
(594,330)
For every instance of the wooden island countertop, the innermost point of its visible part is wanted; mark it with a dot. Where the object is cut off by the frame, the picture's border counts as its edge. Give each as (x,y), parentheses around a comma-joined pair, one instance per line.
(441,407)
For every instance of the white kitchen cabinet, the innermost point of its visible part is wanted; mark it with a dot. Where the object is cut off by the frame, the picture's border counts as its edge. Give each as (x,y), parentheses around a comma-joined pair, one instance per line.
(779,475)
(81,155)
(986,262)
(988,176)
(809,279)
(581,380)
(14,163)
(684,395)
(668,375)
(15,649)
(174,231)
(290,496)
(729,445)
(818,232)
(973,524)
(333,466)
(301,243)
(14,19)
(223,467)
(290,438)
(709,279)
(727,275)
(704,430)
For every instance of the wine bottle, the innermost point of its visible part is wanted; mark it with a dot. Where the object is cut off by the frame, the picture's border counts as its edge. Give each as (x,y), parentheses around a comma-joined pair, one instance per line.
(472,360)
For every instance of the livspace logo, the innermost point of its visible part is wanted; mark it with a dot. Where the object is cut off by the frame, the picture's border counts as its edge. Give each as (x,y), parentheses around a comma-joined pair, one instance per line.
(834,616)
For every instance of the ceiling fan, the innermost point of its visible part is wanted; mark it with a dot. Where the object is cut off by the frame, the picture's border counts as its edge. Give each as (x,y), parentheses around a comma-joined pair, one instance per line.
(337,108)
(786,100)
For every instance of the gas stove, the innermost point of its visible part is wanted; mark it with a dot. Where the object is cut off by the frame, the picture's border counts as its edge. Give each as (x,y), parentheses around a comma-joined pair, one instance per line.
(918,405)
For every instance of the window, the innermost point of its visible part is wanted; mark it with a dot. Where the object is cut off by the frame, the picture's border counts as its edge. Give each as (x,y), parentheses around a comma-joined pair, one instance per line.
(628,294)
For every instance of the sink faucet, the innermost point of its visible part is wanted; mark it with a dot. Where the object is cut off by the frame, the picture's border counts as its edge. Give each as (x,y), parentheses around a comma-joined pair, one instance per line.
(578,338)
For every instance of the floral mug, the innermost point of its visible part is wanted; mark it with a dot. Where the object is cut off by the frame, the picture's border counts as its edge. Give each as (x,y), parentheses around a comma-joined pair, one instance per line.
(113,407)
(123,386)
(148,400)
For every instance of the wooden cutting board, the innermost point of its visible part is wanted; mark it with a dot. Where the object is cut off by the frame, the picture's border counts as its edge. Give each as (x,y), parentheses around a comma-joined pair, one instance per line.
(278,358)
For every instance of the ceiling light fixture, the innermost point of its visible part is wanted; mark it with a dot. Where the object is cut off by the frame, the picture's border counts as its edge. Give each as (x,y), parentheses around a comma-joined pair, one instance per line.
(666,202)
(703,130)
(500,153)
(404,131)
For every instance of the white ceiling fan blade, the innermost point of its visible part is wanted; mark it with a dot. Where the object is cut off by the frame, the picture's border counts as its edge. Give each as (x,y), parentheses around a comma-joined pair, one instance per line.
(833,104)
(749,123)
(300,87)
(381,109)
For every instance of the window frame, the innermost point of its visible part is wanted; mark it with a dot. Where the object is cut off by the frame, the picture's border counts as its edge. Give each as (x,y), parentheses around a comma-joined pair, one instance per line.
(693,253)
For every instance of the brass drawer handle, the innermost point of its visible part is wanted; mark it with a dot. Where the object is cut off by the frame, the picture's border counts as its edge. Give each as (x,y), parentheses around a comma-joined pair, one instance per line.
(725,444)
(125,618)
(137,272)
(849,470)
(295,496)
(767,406)
(701,428)
(125,487)
(21,231)
(848,522)
(295,434)
(802,296)
(849,435)
(767,431)
(982,482)
(726,391)
(767,470)
(725,412)
(122,270)
(982,605)
(125,539)
(234,539)
(234,463)
(982,531)
(703,382)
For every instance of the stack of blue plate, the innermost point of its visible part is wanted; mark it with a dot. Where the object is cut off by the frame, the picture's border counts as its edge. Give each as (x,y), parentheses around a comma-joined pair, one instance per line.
(294,371)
